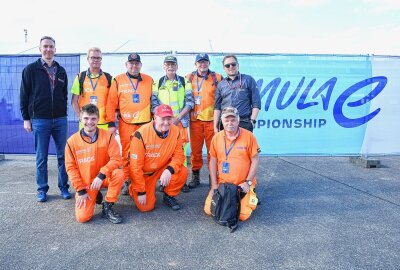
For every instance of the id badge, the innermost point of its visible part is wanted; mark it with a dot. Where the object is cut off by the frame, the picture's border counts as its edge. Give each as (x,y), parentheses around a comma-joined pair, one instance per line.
(225,167)
(197,100)
(93,100)
(136,98)
(175,86)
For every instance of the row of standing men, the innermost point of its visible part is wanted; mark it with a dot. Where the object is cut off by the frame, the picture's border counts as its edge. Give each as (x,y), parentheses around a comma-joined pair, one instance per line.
(196,102)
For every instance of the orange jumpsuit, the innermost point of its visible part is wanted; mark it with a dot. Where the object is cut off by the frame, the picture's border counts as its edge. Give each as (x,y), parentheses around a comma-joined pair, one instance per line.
(84,160)
(150,155)
(202,116)
(239,158)
(133,106)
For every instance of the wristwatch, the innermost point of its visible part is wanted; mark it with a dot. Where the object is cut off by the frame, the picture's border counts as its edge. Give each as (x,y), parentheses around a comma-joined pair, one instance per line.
(253,121)
(249,182)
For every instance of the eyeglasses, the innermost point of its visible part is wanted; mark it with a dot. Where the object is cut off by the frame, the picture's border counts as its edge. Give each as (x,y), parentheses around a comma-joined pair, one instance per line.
(93,58)
(231,64)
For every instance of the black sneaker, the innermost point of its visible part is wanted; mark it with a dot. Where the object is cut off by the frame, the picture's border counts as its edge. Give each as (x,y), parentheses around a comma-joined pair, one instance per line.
(171,202)
(185,189)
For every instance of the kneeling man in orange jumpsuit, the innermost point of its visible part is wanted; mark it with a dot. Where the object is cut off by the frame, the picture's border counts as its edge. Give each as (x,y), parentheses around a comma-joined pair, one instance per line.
(234,159)
(92,161)
(156,152)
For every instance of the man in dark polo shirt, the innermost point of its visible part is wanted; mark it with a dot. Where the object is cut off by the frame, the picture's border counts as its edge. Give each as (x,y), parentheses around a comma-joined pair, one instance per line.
(237,90)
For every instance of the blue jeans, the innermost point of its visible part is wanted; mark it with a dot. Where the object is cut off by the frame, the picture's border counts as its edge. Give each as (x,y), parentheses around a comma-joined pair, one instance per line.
(42,130)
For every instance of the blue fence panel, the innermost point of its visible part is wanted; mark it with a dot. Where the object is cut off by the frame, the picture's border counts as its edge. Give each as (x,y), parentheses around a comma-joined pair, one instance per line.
(13,138)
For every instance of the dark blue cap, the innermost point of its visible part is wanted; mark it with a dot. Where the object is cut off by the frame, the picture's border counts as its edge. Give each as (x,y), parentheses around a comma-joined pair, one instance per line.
(202,56)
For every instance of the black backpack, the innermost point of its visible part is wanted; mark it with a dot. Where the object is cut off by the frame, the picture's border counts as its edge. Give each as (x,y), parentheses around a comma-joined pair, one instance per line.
(212,73)
(82,77)
(181,81)
(225,206)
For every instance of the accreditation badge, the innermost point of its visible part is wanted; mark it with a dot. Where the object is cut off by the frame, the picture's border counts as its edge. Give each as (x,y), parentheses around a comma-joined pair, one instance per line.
(197,100)
(225,167)
(136,98)
(93,100)
(175,86)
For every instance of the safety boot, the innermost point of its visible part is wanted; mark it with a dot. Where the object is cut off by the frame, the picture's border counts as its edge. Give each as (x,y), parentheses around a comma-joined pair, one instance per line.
(171,202)
(195,179)
(185,188)
(109,213)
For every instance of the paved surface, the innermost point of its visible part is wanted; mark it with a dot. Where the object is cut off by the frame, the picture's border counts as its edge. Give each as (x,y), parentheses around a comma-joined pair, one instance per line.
(316,213)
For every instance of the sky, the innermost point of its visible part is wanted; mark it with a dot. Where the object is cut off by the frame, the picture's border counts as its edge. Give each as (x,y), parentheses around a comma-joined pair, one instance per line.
(239,26)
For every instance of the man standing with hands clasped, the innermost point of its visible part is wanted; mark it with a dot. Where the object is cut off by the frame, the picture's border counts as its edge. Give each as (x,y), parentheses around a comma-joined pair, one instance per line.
(239,91)
(204,83)
(130,95)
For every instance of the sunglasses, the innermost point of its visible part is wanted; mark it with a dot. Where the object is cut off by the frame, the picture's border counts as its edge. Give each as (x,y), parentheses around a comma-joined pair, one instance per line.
(229,65)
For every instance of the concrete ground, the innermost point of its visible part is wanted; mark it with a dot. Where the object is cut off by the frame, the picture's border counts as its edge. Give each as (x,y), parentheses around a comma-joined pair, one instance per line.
(316,213)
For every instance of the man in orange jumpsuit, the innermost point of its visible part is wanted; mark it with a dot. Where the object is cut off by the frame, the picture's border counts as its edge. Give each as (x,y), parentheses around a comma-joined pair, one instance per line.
(130,94)
(204,82)
(234,159)
(92,161)
(156,152)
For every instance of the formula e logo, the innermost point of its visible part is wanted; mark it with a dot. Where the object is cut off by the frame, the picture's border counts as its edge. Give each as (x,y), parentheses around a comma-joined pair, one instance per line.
(85,160)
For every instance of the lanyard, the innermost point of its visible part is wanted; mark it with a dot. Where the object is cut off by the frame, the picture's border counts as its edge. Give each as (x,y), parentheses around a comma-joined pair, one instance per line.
(231,86)
(133,86)
(90,78)
(197,83)
(230,148)
(52,77)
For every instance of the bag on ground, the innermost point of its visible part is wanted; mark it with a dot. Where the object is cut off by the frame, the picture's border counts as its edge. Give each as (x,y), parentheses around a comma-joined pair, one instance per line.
(225,205)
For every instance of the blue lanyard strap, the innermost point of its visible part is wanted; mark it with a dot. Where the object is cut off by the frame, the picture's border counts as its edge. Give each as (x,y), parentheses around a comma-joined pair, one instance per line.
(230,148)
(135,87)
(197,83)
(91,81)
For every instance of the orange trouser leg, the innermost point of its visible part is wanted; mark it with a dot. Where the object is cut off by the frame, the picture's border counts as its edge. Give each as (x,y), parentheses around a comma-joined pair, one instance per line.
(150,187)
(177,182)
(200,131)
(114,185)
(245,209)
(84,214)
(173,188)
(125,132)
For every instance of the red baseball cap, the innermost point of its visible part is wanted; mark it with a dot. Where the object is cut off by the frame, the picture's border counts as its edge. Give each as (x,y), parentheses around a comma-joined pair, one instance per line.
(164,110)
